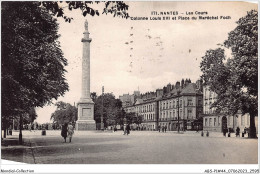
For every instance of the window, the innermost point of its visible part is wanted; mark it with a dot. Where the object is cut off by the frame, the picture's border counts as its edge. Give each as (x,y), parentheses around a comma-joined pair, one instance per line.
(163,105)
(173,113)
(210,121)
(180,103)
(189,113)
(167,105)
(206,121)
(190,102)
(170,104)
(199,102)
(215,121)
(173,102)
(242,120)
(181,113)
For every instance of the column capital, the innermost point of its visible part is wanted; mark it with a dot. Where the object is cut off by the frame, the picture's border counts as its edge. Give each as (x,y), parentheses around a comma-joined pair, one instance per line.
(86,40)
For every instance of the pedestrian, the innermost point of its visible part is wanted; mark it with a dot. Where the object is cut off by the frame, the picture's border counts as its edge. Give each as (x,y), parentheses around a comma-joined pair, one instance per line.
(128,129)
(64,131)
(124,129)
(224,132)
(162,128)
(245,130)
(165,127)
(238,132)
(159,128)
(70,131)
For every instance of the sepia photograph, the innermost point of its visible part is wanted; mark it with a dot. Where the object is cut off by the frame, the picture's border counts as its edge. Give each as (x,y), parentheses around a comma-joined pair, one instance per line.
(129,86)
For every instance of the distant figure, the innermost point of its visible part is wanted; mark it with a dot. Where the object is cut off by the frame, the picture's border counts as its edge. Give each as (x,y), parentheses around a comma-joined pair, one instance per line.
(162,128)
(159,128)
(202,133)
(224,132)
(207,133)
(245,130)
(124,129)
(165,127)
(128,129)
(70,132)
(64,131)
(238,132)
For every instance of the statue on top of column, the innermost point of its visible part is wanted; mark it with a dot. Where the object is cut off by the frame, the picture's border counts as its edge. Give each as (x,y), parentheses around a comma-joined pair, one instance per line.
(86,25)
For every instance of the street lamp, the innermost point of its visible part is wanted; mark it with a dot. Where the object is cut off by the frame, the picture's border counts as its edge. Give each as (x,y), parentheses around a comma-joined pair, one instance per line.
(178,93)
(102,98)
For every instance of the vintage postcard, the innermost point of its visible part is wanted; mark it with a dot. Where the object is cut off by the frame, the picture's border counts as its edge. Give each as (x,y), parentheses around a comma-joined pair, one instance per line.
(145,83)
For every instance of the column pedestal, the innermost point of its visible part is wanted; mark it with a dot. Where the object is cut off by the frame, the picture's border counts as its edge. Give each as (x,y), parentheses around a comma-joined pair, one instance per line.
(85,116)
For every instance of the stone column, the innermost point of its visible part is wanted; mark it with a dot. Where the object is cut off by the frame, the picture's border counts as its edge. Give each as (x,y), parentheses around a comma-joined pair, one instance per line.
(86,105)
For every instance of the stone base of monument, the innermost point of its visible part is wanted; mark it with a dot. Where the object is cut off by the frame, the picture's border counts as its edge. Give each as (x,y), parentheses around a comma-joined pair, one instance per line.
(86,125)
(86,115)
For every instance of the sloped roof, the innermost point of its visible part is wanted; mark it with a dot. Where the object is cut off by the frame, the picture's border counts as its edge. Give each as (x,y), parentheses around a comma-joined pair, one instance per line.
(138,101)
(190,89)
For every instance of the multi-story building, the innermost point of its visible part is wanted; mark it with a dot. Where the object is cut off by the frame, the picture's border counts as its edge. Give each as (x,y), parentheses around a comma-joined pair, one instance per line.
(169,106)
(181,107)
(128,100)
(213,121)
(146,107)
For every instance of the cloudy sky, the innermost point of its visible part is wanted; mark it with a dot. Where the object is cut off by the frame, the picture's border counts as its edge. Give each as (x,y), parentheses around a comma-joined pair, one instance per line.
(127,54)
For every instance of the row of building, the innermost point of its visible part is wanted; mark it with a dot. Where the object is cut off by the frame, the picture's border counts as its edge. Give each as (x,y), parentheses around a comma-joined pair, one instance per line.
(185,104)
(180,104)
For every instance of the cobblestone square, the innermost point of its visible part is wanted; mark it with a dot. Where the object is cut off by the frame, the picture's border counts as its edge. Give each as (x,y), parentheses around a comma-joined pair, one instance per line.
(140,147)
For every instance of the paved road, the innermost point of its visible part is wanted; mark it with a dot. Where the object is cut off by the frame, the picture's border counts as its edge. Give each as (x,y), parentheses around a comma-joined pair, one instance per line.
(137,148)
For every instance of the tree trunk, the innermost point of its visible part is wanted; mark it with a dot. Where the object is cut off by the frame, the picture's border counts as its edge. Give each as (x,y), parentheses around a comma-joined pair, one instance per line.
(4,127)
(20,133)
(252,128)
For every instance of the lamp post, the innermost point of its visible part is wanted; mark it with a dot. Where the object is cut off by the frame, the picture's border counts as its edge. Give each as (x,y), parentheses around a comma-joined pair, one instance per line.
(178,93)
(102,101)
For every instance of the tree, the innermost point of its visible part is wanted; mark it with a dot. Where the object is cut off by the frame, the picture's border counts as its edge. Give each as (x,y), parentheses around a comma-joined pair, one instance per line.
(137,119)
(30,116)
(116,8)
(65,113)
(112,109)
(130,117)
(32,61)
(235,81)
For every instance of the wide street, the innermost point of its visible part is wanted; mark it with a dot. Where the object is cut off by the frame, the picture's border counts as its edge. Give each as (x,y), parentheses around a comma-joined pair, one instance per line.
(140,147)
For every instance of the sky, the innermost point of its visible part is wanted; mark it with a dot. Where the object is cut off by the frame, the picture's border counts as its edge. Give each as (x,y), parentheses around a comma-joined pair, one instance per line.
(127,55)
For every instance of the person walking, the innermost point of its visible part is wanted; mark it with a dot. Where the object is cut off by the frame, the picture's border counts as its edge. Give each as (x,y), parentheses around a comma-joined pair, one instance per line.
(128,129)
(124,129)
(159,128)
(224,132)
(165,127)
(64,131)
(70,132)
(238,132)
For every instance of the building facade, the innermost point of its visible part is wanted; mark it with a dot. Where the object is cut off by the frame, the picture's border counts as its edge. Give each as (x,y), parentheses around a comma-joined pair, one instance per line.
(181,107)
(146,108)
(217,122)
(128,100)
(171,106)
